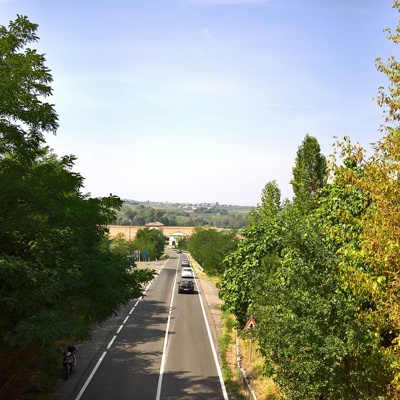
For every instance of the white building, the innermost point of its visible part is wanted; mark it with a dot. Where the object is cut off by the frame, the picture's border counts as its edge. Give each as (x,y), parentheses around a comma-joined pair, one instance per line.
(175,237)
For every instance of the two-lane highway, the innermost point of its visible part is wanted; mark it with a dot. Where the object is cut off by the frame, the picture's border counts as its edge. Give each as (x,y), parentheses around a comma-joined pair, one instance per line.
(162,350)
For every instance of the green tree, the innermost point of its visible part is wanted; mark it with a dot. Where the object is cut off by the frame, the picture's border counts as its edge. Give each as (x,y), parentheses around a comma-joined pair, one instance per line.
(313,343)
(118,245)
(210,247)
(149,240)
(286,274)
(24,84)
(57,277)
(309,172)
(188,222)
(372,268)
(242,277)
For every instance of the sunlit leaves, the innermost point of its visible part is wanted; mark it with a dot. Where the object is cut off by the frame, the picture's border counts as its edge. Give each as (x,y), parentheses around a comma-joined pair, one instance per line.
(57,275)
(210,247)
(309,172)
(150,241)
(24,83)
(289,275)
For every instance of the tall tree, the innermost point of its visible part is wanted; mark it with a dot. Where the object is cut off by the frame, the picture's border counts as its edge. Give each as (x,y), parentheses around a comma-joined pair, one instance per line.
(313,344)
(379,239)
(287,275)
(241,281)
(56,276)
(309,172)
(373,265)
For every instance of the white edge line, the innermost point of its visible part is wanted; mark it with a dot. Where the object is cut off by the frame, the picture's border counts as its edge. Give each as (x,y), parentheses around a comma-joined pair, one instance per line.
(221,379)
(90,376)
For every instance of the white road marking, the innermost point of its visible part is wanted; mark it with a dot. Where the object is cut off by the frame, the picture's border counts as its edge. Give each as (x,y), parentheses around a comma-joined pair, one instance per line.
(111,342)
(164,352)
(210,338)
(221,379)
(109,345)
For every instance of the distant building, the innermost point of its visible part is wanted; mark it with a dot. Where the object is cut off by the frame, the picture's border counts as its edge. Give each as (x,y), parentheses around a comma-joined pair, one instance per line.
(175,237)
(156,225)
(129,232)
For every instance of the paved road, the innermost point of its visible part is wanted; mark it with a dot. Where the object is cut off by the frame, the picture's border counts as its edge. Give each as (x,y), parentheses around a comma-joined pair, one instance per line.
(157,348)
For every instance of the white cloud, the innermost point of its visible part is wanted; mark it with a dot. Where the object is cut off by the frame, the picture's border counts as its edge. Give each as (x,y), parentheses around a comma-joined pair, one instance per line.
(207,32)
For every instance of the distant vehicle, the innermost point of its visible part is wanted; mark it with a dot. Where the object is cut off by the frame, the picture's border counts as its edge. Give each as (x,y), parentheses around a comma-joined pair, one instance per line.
(185,263)
(187,273)
(179,251)
(186,286)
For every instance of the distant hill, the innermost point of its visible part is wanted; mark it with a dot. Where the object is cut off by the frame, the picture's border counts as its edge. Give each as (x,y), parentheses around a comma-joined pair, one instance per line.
(139,213)
(167,204)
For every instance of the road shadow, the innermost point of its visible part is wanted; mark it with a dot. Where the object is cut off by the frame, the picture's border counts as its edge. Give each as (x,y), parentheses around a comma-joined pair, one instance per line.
(183,386)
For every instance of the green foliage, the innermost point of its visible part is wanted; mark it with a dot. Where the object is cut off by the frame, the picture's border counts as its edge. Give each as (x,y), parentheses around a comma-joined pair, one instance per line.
(24,83)
(210,247)
(309,172)
(150,241)
(288,275)
(51,248)
(118,245)
(217,216)
(309,334)
(242,276)
(57,272)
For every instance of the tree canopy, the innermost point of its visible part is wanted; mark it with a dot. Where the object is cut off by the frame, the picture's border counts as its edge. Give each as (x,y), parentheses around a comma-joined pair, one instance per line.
(57,277)
(210,247)
(149,241)
(309,172)
(320,274)
(24,84)
(176,215)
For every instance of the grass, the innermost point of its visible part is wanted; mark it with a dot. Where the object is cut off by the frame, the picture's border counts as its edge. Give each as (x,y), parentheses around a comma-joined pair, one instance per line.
(264,387)
(227,347)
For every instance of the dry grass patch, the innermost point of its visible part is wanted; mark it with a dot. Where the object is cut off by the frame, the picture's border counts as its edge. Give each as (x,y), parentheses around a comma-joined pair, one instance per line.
(230,371)
(262,386)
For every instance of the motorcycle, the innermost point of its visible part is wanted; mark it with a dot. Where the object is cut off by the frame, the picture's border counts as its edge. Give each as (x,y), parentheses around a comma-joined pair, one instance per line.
(69,360)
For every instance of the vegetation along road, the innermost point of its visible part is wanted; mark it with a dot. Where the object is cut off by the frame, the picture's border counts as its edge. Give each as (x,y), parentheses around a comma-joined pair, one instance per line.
(159,347)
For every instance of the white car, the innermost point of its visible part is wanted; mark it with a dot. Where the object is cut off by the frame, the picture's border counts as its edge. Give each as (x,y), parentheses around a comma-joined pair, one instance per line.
(187,273)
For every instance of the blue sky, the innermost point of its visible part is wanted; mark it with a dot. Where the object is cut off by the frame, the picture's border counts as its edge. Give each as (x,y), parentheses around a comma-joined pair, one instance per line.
(207,100)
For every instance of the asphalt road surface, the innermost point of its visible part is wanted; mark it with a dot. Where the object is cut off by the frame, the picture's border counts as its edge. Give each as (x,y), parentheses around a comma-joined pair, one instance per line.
(158,348)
